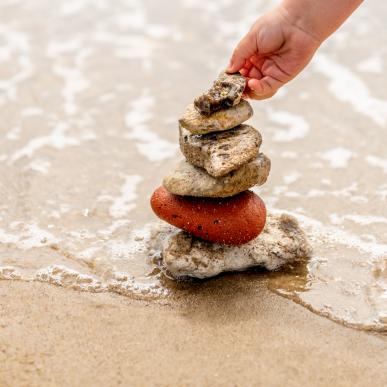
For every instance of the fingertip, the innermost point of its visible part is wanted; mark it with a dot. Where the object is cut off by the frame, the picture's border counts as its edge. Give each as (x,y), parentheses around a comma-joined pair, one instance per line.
(235,65)
(244,72)
(231,70)
(255,85)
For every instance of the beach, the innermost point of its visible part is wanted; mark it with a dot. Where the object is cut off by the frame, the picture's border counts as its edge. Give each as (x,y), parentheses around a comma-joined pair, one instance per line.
(241,335)
(90,97)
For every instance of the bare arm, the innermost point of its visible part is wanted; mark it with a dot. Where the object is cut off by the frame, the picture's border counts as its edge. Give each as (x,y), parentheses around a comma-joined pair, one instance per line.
(319,17)
(283,41)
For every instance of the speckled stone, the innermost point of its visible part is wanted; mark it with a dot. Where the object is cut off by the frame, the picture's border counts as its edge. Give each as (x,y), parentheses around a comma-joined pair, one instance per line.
(221,152)
(281,242)
(226,92)
(224,119)
(234,220)
(188,180)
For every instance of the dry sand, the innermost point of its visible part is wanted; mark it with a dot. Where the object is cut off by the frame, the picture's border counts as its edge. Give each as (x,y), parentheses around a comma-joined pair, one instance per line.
(239,335)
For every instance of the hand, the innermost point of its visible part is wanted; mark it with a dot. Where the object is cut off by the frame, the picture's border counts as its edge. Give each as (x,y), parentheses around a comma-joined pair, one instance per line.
(272,53)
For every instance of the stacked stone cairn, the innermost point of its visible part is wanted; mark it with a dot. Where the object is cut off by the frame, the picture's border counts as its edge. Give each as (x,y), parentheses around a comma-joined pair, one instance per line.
(207,195)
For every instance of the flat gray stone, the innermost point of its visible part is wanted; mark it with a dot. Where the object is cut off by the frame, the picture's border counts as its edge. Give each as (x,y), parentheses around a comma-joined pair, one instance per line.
(224,119)
(221,152)
(226,92)
(188,180)
(180,255)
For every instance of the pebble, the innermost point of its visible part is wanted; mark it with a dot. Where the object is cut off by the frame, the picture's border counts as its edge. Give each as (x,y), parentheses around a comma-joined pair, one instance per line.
(224,119)
(232,221)
(226,92)
(188,180)
(221,152)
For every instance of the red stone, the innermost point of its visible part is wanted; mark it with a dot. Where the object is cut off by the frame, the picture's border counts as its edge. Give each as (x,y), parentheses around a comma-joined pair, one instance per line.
(233,221)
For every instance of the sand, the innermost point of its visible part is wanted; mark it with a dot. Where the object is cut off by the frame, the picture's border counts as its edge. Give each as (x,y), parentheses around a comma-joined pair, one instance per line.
(240,335)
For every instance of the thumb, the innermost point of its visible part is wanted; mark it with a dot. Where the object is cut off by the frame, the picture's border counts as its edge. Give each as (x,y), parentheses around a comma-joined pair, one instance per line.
(246,48)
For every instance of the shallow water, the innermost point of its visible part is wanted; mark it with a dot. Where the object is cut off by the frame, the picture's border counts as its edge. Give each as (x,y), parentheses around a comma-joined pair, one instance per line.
(89,99)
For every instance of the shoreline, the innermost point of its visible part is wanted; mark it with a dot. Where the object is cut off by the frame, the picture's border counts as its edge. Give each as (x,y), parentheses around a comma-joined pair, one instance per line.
(209,335)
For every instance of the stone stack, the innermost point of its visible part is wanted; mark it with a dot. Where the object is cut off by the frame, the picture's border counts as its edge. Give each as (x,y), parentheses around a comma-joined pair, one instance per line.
(208,194)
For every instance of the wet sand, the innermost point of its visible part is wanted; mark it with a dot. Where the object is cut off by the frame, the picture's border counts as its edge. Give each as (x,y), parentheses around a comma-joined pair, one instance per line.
(239,335)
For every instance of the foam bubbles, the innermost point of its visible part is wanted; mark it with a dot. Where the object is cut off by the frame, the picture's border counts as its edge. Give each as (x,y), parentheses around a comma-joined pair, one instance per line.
(148,143)
(346,86)
(124,203)
(294,127)
(338,157)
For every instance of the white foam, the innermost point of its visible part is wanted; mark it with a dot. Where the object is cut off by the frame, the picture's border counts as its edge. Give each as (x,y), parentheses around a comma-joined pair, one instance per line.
(338,157)
(15,46)
(377,162)
(58,139)
(124,203)
(148,143)
(32,111)
(73,7)
(114,226)
(346,86)
(363,220)
(346,192)
(128,46)
(63,276)
(136,19)
(337,235)
(39,165)
(289,154)
(27,236)
(9,273)
(74,83)
(59,47)
(296,126)
(13,134)
(292,177)
(134,244)
(373,65)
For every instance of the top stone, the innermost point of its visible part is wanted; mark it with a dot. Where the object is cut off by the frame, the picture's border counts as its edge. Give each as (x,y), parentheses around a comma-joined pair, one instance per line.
(226,92)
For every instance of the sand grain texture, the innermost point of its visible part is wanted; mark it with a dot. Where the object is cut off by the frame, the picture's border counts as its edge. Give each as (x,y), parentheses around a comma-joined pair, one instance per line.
(219,333)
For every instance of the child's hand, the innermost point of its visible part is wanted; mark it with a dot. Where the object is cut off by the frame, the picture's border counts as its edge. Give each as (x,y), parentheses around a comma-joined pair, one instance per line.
(282,42)
(272,53)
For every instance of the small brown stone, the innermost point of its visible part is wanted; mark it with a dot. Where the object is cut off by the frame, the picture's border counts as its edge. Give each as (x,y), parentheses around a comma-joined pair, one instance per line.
(226,92)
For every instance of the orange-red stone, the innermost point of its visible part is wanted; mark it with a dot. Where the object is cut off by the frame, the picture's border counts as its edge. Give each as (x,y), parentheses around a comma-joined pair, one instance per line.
(234,220)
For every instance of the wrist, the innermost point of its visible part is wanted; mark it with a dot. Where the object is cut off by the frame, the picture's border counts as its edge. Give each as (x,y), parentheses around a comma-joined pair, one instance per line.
(298,16)
(318,18)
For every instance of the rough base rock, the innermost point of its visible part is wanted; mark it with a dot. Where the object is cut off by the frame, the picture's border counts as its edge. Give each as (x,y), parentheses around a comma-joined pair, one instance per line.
(225,119)
(188,180)
(226,92)
(221,152)
(281,242)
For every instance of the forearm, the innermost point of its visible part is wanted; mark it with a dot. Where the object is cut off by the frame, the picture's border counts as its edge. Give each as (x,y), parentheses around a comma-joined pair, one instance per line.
(319,18)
